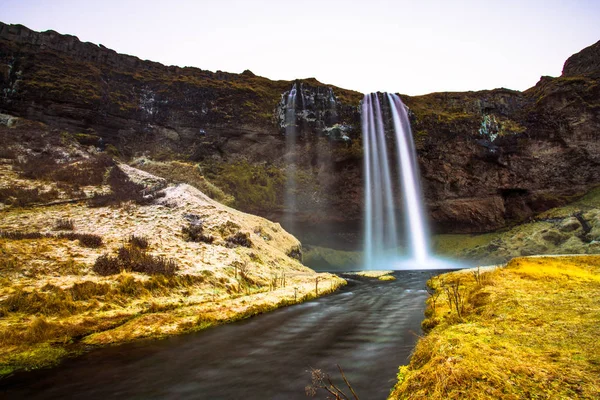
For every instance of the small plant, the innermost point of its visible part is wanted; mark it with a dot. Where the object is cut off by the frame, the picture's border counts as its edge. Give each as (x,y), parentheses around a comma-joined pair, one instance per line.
(106,265)
(261,232)
(322,381)
(455,297)
(89,240)
(64,224)
(8,265)
(433,294)
(477,275)
(295,253)
(228,228)
(194,232)
(239,239)
(85,239)
(141,242)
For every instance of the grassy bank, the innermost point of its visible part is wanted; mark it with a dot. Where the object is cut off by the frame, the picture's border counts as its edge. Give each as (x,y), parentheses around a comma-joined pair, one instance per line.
(529,330)
(94,252)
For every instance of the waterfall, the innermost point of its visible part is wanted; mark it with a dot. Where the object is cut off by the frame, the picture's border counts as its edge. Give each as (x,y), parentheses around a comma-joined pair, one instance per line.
(291,160)
(381,236)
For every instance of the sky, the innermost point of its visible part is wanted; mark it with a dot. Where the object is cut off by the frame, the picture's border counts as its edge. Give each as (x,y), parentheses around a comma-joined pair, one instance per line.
(411,47)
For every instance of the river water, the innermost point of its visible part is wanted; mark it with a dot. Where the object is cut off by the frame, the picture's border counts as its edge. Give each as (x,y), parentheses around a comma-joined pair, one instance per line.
(368,327)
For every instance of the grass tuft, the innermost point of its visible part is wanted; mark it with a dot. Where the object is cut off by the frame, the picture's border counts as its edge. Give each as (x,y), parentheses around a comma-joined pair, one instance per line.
(239,239)
(64,224)
(194,232)
(141,242)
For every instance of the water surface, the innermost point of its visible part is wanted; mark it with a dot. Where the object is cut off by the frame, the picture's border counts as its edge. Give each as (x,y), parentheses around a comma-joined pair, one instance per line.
(369,327)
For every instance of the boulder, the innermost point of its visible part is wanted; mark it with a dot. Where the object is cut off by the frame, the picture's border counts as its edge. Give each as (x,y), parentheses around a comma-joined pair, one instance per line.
(570,224)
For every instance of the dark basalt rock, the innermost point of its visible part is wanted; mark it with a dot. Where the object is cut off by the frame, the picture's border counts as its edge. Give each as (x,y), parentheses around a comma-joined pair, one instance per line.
(487,158)
(584,63)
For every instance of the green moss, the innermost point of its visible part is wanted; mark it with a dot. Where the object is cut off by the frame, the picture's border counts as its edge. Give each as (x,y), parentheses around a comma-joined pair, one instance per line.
(322,258)
(181,172)
(454,245)
(591,200)
(87,139)
(255,187)
(37,356)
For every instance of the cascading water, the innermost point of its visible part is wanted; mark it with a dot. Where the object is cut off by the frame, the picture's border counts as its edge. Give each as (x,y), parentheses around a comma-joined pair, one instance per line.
(290,144)
(381,237)
(411,184)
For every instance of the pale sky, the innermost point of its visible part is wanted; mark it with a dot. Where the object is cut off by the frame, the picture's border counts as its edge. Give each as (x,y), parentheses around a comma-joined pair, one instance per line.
(411,47)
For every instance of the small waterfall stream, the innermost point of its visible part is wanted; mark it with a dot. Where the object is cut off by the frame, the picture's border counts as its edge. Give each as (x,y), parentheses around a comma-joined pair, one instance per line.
(291,132)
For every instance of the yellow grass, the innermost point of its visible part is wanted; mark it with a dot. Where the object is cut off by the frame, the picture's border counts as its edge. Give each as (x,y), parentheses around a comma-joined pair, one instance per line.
(529,330)
(373,274)
(52,303)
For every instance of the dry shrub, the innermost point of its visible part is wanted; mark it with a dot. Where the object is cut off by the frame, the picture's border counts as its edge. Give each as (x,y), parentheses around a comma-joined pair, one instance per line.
(239,239)
(85,239)
(136,260)
(141,242)
(89,172)
(139,261)
(195,233)
(36,166)
(295,252)
(20,196)
(106,265)
(228,228)
(21,235)
(64,224)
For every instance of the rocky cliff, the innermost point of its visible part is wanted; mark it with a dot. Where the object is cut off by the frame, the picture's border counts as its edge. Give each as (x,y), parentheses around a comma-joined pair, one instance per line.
(488,158)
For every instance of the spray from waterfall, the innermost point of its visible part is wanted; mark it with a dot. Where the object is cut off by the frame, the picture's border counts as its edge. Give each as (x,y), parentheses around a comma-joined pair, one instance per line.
(291,133)
(381,215)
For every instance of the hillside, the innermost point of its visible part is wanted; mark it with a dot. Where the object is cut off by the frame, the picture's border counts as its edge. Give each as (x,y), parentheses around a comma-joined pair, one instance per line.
(94,252)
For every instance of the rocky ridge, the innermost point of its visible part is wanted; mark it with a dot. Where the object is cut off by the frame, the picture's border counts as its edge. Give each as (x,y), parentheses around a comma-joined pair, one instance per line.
(488,159)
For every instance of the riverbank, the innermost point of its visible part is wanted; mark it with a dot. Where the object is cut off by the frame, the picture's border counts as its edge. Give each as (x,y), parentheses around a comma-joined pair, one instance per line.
(367,327)
(132,258)
(528,330)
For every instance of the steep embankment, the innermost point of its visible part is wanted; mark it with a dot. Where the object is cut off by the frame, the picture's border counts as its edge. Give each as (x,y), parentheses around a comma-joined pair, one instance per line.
(94,252)
(571,229)
(529,330)
(488,158)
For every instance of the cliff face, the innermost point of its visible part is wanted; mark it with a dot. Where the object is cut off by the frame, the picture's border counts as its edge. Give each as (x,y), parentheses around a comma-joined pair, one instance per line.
(487,158)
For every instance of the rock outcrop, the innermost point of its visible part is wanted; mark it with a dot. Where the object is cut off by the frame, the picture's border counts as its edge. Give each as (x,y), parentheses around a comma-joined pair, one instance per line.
(488,158)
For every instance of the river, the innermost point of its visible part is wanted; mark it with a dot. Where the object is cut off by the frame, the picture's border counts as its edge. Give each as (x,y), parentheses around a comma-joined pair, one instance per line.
(369,328)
